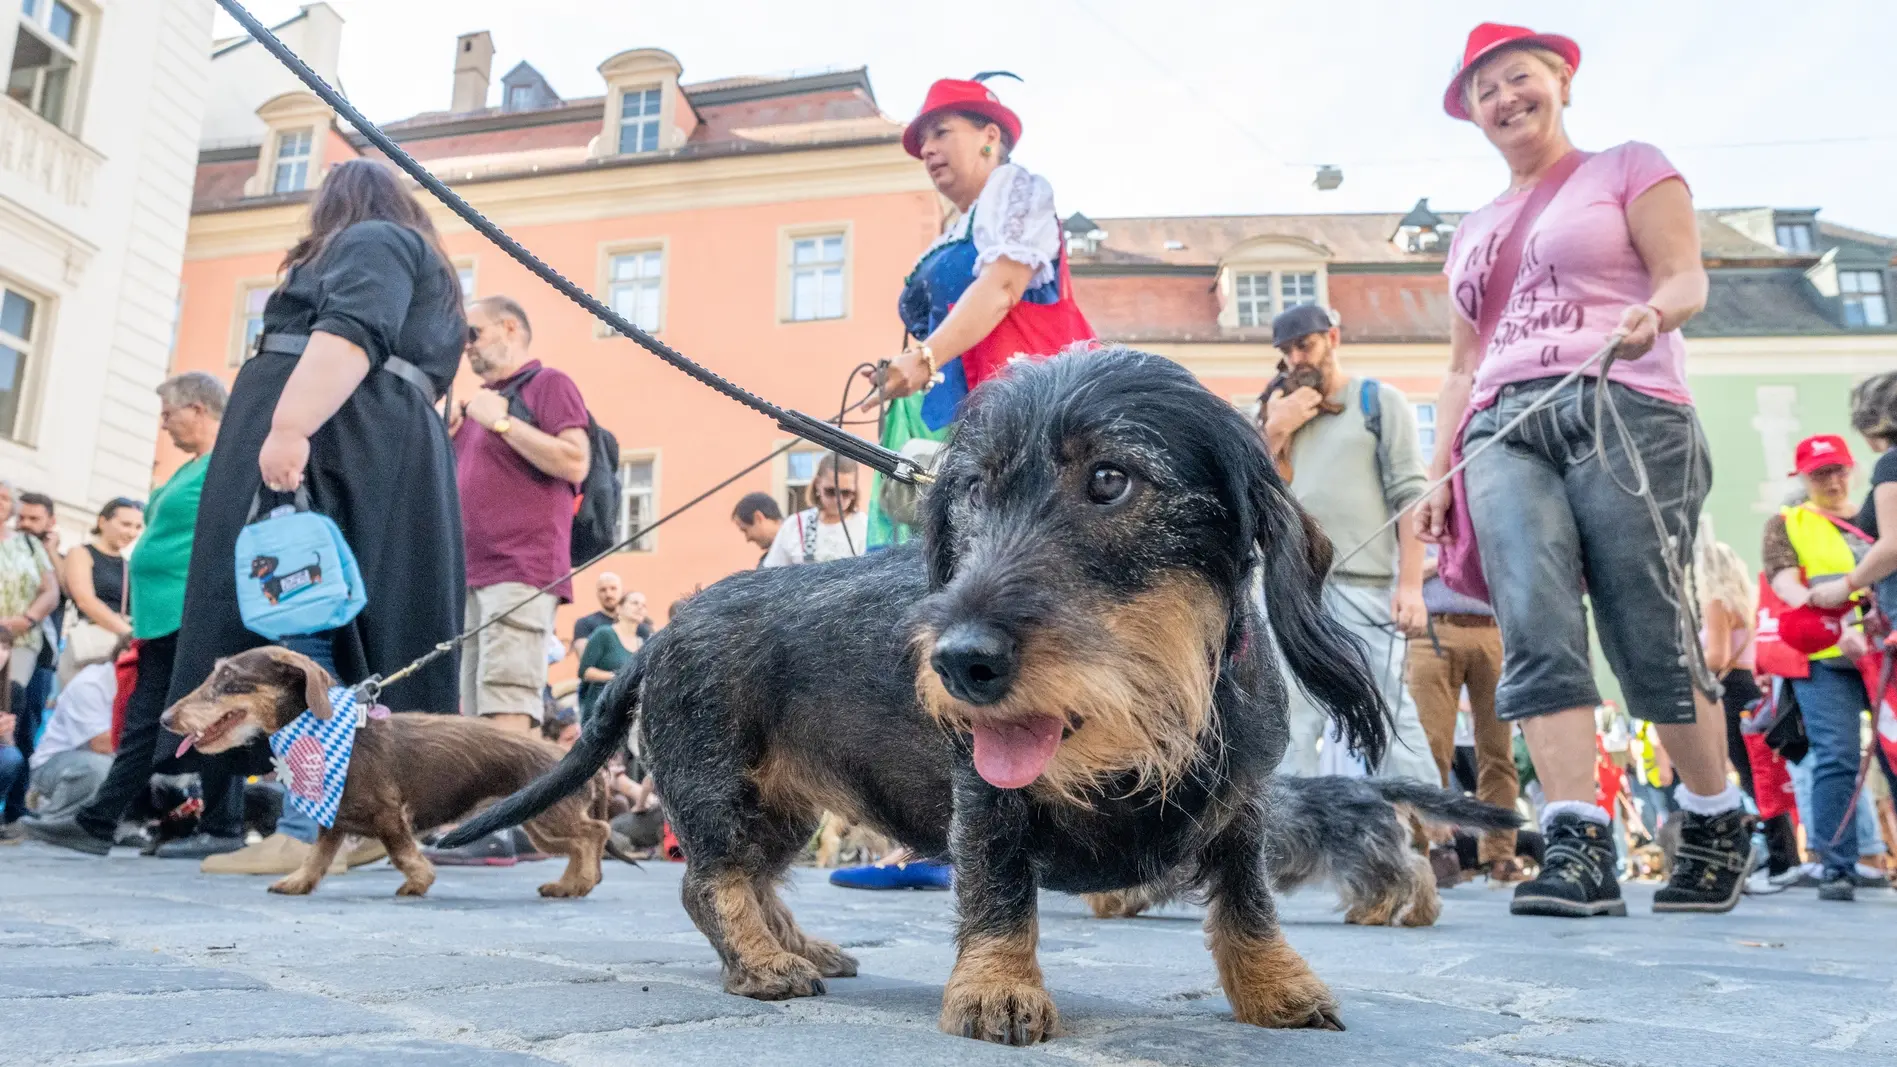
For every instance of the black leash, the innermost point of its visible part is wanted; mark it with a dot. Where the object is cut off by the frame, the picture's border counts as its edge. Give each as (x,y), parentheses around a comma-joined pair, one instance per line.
(797,423)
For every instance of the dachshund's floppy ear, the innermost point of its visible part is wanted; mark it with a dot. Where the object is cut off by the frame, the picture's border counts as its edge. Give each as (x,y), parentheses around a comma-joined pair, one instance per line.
(315,679)
(1294,556)
(938,537)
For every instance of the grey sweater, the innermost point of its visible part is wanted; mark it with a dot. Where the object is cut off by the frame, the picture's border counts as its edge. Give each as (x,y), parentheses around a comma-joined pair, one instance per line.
(1334,475)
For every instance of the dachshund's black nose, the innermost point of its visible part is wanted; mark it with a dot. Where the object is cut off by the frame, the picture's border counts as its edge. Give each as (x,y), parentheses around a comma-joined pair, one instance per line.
(975,661)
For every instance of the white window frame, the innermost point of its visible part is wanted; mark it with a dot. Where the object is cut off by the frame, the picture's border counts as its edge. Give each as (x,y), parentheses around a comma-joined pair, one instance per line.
(1285,280)
(1795,230)
(30,348)
(36,19)
(649,122)
(293,164)
(611,286)
(1871,304)
(1258,304)
(1425,412)
(795,495)
(789,239)
(243,340)
(467,276)
(645,500)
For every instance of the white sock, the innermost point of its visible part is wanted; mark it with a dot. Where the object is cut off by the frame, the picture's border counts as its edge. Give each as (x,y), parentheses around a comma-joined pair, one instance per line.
(1717,804)
(1593,813)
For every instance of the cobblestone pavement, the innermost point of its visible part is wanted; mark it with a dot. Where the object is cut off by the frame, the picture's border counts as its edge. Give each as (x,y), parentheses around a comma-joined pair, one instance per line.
(133,960)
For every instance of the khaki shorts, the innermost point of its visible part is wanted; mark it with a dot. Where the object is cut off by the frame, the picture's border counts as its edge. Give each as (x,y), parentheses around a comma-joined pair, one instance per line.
(504,668)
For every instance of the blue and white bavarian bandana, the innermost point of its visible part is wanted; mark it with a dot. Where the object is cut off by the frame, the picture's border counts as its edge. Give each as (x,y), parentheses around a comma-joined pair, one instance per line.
(312,756)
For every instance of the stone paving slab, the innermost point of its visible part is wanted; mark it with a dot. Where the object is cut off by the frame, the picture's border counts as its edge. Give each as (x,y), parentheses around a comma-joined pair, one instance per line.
(128,960)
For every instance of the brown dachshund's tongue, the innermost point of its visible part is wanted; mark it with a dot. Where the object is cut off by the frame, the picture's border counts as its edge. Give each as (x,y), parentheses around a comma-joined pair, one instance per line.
(185,745)
(1012,755)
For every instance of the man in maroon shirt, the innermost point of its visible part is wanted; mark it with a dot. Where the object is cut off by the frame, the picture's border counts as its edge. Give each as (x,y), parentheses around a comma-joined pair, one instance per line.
(518,479)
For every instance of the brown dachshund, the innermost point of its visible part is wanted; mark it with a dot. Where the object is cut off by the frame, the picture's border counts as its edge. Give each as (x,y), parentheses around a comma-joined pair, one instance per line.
(409,771)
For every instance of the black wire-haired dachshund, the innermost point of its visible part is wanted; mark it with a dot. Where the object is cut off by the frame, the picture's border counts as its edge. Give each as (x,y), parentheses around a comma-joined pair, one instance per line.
(1065,686)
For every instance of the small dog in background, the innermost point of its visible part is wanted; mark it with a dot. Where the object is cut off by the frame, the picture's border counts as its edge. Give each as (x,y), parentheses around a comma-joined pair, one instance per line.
(1354,832)
(407,772)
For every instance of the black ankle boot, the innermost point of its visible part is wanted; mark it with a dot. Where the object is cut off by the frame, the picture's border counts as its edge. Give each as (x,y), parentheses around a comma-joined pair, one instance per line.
(1714,858)
(1577,873)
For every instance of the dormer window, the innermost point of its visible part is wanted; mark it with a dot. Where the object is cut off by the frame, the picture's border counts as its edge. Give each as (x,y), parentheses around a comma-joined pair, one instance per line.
(1863,295)
(639,121)
(293,161)
(645,112)
(519,97)
(1795,237)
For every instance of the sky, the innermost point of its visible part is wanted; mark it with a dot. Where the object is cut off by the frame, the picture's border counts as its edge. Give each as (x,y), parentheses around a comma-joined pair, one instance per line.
(1188,107)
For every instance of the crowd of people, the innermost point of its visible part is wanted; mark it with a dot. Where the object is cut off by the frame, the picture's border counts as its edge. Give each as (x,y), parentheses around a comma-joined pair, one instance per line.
(1461,572)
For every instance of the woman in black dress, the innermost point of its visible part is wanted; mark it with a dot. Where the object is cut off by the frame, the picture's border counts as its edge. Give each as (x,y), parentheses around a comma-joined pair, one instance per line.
(359,341)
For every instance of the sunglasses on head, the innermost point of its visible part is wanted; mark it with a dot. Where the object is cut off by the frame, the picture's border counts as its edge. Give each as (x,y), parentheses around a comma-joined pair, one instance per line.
(829,493)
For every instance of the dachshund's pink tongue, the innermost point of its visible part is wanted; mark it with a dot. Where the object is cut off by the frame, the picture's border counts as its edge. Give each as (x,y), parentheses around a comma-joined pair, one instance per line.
(1012,755)
(185,745)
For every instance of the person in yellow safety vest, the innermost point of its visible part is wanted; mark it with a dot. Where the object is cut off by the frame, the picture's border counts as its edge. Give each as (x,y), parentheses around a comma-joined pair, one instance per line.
(1808,545)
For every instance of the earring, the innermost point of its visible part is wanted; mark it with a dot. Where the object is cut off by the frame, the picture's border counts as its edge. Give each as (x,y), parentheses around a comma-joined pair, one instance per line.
(987,150)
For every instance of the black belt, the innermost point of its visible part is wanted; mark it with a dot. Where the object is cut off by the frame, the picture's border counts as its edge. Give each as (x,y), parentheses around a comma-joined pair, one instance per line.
(292,344)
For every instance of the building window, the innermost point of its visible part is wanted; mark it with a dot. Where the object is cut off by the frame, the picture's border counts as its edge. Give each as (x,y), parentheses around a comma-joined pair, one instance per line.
(816,277)
(639,121)
(1864,300)
(44,76)
(1295,290)
(520,97)
(464,273)
(18,315)
(1794,236)
(800,469)
(254,298)
(634,280)
(1254,299)
(638,501)
(293,161)
(1425,425)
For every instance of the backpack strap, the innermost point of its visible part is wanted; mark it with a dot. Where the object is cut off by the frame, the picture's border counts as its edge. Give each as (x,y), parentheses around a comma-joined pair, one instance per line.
(1370,400)
(516,407)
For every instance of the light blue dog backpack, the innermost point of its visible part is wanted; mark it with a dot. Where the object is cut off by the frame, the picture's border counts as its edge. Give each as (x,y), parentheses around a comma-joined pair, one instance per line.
(295,573)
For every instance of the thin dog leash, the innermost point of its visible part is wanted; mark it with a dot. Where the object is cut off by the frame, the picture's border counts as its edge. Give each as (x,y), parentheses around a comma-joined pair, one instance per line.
(1679,579)
(834,438)
(370,688)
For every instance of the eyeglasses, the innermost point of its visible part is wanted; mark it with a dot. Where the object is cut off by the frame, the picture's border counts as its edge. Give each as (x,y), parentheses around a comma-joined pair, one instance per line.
(474,335)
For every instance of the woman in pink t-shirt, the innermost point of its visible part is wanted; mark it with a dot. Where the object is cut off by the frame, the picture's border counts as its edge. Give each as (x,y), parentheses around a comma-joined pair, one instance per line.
(1610,255)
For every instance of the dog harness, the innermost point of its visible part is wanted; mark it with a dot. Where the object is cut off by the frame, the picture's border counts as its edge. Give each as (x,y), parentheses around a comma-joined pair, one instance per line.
(312,754)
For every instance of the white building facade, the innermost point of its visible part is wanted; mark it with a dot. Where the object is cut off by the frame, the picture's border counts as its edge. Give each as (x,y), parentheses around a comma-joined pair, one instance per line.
(99,131)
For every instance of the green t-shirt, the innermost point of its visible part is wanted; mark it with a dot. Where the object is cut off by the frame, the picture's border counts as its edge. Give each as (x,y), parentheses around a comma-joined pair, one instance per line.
(162,556)
(606,651)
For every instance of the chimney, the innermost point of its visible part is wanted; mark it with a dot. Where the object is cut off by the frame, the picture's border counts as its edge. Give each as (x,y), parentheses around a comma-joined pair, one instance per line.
(473,59)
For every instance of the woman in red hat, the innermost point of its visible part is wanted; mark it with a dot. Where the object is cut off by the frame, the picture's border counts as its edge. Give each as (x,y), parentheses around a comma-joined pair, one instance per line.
(994,285)
(1816,545)
(1580,252)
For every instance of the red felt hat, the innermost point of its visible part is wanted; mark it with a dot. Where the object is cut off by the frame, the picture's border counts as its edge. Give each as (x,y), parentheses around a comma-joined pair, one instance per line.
(1490,37)
(1822,450)
(954,94)
(1810,630)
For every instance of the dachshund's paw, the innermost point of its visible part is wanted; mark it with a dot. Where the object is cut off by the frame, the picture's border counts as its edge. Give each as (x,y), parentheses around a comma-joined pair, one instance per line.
(295,885)
(1293,1002)
(414,887)
(1007,1013)
(779,977)
(562,889)
(829,959)
(1119,904)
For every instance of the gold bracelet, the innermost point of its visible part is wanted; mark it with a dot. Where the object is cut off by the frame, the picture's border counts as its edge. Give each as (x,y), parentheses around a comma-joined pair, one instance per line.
(928,358)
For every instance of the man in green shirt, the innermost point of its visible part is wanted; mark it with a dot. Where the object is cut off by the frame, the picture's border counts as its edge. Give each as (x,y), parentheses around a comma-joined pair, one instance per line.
(190,408)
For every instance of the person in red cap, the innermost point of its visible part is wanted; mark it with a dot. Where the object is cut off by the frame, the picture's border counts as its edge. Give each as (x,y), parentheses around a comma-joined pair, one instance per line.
(994,285)
(1815,545)
(1582,252)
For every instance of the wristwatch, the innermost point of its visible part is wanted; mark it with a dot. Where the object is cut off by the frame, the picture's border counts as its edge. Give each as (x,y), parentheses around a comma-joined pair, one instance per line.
(503,424)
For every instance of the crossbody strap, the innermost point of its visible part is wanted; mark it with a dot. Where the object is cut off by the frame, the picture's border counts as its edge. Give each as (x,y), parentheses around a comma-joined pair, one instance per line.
(1499,285)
